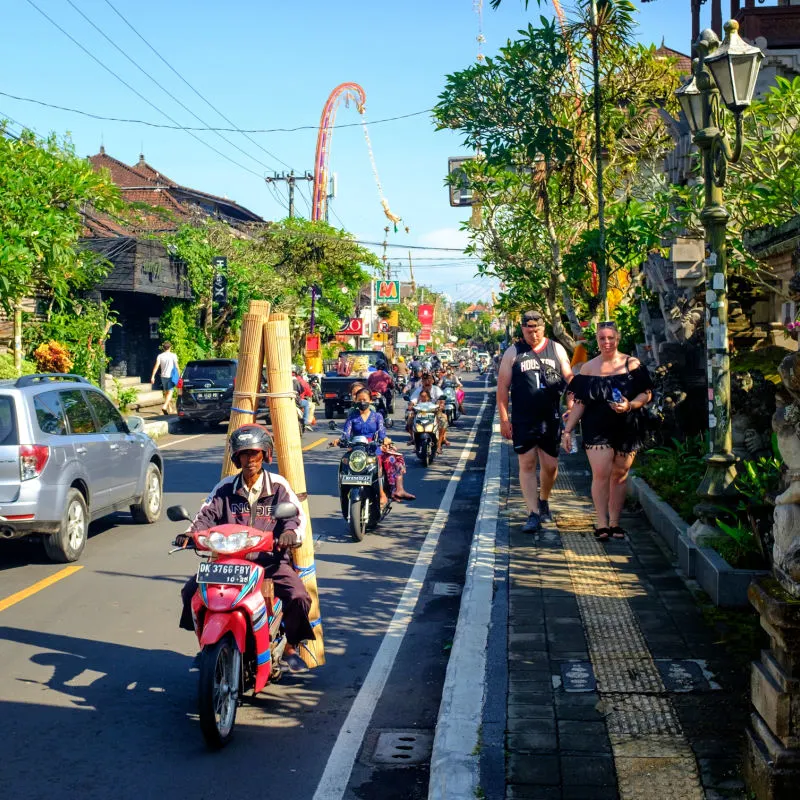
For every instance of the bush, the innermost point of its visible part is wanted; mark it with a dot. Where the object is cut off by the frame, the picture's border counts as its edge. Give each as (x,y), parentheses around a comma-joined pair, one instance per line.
(52,356)
(7,366)
(178,325)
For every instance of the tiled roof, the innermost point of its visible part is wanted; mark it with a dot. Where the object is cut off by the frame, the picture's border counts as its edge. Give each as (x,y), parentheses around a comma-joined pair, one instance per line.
(683,62)
(121,173)
(145,169)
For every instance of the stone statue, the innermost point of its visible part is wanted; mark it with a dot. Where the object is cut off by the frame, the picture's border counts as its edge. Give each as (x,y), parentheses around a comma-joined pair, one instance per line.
(786,527)
(752,407)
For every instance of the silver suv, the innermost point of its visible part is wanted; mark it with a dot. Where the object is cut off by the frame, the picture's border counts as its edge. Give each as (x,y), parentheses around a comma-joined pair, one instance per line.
(68,457)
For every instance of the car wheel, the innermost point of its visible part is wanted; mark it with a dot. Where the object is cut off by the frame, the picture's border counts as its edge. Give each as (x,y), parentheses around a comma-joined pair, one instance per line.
(149,509)
(68,542)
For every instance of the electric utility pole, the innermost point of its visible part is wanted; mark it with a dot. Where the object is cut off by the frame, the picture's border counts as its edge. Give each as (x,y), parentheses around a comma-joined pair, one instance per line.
(290,179)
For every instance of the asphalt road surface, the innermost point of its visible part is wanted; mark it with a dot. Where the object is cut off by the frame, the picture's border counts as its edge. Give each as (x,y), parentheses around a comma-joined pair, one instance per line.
(97,695)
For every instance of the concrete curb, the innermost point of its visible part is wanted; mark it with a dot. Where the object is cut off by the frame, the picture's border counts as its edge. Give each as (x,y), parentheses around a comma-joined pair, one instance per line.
(455,760)
(156,430)
(664,519)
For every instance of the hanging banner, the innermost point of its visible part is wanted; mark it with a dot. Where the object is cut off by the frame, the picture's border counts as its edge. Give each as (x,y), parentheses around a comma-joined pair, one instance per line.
(394,319)
(424,336)
(387,292)
(425,315)
(355,327)
(312,342)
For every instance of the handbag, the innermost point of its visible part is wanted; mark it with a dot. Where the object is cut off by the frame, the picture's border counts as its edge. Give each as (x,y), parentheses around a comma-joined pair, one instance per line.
(551,377)
(174,376)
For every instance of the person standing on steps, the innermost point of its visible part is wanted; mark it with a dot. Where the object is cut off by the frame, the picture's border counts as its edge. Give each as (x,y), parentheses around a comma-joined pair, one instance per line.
(166,365)
(534,372)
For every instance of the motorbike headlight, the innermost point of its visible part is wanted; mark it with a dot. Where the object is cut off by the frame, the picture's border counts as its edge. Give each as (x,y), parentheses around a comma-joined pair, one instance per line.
(420,428)
(231,543)
(429,428)
(358,460)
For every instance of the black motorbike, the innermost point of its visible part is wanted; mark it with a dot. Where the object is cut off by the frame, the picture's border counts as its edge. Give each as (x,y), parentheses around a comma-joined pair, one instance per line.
(360,478)
(426,431)
(316,389)
(450,402)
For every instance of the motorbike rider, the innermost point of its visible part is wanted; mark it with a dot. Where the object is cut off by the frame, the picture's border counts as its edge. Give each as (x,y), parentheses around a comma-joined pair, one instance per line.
(366,422)
(453,379)
(415,381)
(247,498)
(433,392)
(402,369)
(381,382)
(304,394)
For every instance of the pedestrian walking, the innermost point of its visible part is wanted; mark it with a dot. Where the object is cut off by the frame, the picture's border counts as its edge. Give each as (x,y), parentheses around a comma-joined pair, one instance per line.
(167,367)
(610,394)
(534,371)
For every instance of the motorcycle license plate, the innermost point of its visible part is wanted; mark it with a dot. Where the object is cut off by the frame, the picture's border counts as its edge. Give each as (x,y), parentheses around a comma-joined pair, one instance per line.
(356,480)
(215,572)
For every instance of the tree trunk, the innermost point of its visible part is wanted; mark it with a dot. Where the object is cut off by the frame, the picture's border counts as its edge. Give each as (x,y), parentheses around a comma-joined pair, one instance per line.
(18,337)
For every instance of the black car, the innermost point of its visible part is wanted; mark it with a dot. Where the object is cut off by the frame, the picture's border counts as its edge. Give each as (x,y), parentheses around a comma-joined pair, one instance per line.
(205,391)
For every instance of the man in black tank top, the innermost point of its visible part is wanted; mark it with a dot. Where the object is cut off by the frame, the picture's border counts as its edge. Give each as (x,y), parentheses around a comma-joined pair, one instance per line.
(525,372)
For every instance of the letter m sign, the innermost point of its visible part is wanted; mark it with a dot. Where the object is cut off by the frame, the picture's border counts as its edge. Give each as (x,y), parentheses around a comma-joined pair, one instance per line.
(387,291)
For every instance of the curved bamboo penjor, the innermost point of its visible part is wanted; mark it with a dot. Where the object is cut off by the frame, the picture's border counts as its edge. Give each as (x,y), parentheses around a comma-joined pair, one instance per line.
(289,453)
(348,91)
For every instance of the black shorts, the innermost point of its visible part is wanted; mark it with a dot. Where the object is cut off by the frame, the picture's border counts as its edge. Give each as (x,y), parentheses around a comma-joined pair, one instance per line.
(544,433)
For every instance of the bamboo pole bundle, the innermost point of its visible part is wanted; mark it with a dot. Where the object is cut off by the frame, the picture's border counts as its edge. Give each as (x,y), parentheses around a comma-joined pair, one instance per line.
(248,378)
(289,452)
(261,307)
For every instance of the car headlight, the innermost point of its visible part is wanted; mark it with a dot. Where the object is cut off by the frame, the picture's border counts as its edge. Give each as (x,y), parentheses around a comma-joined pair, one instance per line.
(358,460)
(229,544)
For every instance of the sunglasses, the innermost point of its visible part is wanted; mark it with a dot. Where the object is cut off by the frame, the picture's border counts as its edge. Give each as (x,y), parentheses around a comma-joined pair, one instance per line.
(612,325)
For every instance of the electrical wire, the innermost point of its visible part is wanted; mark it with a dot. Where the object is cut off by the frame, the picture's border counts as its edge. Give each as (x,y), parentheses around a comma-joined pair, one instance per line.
(139,94)
(204,99)
(162,87)
(176,127)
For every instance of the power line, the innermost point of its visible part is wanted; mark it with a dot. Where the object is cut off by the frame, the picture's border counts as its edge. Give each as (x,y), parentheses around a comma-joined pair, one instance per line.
(139,94)
(162,87)
(209,129)
(204,99)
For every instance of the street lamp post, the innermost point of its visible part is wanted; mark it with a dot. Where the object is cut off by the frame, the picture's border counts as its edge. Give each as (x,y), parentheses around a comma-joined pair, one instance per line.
(726,70)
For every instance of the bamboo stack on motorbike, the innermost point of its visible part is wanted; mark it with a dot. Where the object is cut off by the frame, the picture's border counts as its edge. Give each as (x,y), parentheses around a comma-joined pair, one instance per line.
(289,452)
(248,374)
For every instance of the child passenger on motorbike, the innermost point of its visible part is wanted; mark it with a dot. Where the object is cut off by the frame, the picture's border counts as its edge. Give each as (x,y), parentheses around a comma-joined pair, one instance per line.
(366,422)
(248,498)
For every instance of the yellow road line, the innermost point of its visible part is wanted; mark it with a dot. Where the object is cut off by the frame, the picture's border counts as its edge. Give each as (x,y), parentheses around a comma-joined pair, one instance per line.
(37,587)
(315,443)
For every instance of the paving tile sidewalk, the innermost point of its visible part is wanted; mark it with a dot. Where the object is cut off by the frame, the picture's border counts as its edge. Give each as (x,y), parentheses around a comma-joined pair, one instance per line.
(615,685)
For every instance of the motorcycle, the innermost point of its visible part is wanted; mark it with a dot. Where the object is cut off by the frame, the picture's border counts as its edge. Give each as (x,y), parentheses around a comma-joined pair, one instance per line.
(450,403)
(381,407)
(360,478)
(237,619)
(425,430)
(316,389)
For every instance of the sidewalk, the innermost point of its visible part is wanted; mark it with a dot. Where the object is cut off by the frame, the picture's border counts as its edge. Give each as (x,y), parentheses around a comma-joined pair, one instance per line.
(616,687)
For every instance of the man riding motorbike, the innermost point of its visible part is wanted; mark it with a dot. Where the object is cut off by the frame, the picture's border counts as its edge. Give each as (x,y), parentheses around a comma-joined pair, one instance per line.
(381,382)
(434,393)
(248,498)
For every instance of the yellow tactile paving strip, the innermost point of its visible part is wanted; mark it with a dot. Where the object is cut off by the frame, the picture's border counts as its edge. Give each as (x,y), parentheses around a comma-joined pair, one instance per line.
(652,757)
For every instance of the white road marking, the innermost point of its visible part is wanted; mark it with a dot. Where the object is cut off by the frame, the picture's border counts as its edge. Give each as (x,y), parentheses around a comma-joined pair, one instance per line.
(337,772)
(180,441)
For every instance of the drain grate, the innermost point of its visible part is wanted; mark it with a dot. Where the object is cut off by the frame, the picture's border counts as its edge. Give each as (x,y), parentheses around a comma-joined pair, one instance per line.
(403,747)
(447,589)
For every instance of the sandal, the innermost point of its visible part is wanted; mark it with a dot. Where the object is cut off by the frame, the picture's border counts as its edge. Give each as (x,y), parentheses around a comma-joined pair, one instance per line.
(601,534)
(617,532)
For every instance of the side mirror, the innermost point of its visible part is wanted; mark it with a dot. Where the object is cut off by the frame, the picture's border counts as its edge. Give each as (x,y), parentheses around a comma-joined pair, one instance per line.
(178,513)
(135,424)
(285,511)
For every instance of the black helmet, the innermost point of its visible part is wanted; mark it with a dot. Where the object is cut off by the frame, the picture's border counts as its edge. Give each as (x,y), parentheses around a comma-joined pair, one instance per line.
(250,437)
(381,365)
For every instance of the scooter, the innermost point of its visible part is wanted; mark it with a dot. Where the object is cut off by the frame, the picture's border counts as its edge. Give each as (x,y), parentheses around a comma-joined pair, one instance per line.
(237,619)
(450,403)
(425,431)
(360,478)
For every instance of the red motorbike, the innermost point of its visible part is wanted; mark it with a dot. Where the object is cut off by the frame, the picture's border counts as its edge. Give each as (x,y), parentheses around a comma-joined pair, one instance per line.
(237,619)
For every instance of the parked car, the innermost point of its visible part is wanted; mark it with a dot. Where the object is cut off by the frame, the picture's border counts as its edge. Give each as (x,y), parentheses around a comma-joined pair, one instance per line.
(205,391)
(67,457)
(336,388)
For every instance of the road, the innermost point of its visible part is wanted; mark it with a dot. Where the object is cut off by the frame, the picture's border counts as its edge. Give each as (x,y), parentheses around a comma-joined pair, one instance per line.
(97,696)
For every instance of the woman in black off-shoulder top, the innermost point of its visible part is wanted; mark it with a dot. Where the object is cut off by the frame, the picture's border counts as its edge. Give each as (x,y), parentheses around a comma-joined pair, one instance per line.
(608,392)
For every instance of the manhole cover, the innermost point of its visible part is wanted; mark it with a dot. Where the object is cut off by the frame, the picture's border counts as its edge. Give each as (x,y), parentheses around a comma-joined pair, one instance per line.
(578,676)
(449,589)
(686,675)
(403,747)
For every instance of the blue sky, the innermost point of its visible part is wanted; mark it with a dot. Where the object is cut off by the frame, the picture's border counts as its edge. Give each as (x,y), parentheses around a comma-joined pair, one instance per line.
(270,64)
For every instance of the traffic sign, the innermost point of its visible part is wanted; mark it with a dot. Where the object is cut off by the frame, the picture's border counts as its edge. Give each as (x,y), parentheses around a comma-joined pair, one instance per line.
(383,326)
(354,327)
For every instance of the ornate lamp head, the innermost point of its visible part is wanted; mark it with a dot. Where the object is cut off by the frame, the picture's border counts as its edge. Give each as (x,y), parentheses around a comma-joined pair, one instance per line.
(734,66)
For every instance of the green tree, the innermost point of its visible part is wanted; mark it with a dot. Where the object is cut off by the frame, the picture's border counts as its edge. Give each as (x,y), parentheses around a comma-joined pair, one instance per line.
(44,187)
(524,110)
